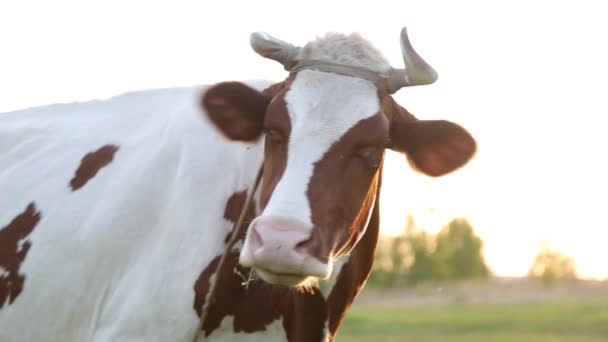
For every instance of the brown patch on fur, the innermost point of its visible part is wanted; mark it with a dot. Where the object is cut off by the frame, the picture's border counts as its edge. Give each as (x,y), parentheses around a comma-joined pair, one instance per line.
(277,88)
(91,164)
(278,124)
(342,186)
(233,209)
(234,205)
(256,304)
(394,111)
(12,254)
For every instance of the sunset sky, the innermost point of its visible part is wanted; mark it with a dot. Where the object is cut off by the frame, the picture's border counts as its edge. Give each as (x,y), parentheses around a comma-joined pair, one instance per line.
(527,78)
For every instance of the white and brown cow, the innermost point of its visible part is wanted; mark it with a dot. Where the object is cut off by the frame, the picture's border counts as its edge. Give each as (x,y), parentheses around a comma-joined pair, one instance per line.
(114,214)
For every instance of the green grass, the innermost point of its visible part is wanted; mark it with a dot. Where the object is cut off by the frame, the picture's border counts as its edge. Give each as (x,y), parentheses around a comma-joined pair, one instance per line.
(472,323)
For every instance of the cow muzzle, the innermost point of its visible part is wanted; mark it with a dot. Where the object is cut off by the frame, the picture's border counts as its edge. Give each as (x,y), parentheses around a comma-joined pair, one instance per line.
(278,249)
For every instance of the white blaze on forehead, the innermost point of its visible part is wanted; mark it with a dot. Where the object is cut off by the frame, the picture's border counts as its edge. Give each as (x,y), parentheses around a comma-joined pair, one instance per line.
(322,107)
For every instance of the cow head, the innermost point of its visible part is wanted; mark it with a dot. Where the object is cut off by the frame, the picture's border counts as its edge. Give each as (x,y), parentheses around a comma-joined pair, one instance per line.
(325,130)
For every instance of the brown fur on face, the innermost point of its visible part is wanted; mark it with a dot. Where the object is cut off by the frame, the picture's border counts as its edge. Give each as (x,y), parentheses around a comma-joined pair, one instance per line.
(343,185)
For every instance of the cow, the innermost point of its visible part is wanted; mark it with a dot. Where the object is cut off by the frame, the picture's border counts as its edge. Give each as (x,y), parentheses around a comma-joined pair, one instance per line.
(114,214)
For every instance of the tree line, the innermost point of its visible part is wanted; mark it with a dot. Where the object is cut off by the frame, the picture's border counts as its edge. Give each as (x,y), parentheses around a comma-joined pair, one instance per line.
(455,253)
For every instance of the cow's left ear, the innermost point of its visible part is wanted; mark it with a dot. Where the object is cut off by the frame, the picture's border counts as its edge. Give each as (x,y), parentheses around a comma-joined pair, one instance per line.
(434,147)
(236,110)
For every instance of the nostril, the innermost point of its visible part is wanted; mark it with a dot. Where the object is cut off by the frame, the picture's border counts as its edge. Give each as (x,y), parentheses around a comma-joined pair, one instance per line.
(255,239)
(303,246)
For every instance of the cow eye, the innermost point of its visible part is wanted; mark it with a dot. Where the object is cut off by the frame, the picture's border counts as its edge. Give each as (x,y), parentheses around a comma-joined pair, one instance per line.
(371,155)
(273,136)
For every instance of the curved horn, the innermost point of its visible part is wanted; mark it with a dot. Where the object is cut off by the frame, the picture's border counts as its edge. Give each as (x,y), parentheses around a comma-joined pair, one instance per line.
(269,47)
(416,72)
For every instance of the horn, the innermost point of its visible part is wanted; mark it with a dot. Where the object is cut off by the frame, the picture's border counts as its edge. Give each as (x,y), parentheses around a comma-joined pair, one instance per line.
(272,48)
(416,72)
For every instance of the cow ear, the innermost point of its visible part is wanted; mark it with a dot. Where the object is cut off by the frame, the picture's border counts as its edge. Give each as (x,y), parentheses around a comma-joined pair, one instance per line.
(434,147)
(236,110)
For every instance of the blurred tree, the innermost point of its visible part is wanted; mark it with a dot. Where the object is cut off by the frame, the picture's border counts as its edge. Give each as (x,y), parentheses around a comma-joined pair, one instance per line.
(416,256)
(458,252)
(393,258)
(422,265)
(382,270)
(550,266)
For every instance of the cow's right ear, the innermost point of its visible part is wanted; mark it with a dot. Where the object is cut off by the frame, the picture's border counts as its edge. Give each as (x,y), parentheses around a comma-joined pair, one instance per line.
(236,110)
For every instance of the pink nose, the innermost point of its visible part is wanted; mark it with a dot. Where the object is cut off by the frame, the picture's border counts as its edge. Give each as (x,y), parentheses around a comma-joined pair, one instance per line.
(280,245)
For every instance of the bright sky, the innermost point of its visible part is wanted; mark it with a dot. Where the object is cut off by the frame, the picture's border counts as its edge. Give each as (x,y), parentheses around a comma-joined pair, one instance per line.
(527,78)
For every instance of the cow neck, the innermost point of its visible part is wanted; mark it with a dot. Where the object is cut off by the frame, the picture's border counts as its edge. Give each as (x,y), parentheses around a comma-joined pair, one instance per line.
(221,265)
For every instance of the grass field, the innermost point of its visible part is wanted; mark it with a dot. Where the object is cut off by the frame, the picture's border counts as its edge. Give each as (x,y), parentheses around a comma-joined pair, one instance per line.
(543,322)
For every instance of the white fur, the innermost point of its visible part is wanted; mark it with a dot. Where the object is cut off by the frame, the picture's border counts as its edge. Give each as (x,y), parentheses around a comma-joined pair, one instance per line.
(322,108)
(117,259)
(351,50)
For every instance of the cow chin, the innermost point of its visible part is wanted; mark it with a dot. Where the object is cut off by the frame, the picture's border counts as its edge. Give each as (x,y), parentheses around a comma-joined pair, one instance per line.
(292,280)
(310,274)
(280,270)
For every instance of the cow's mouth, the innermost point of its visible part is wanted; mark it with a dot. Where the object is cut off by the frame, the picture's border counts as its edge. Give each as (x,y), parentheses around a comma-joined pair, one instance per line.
(288,279)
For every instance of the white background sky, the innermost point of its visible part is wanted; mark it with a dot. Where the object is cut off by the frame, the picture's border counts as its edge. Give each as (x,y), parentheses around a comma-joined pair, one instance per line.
(527,78)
